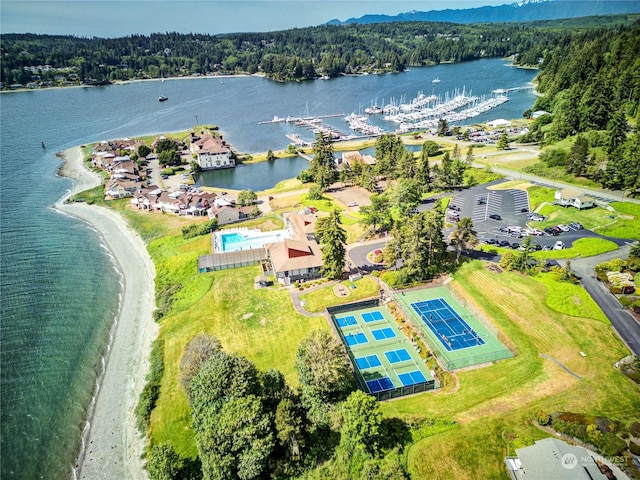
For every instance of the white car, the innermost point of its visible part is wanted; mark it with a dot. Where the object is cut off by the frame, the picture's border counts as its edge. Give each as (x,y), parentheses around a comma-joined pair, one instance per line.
(564,228)
(352,204)
(559,245)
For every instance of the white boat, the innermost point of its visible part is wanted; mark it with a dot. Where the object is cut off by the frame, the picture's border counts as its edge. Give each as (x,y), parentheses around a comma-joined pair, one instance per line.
(162,98)
(435,80)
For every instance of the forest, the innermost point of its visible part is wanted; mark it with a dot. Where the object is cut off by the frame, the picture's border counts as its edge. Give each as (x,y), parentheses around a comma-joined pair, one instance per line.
(289,55)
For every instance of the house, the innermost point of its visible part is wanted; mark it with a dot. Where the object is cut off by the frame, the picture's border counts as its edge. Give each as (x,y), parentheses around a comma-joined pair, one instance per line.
(297,258)
(293,260)
(570,197)
(211,152)
(552,458)
(119,188)
(352,158)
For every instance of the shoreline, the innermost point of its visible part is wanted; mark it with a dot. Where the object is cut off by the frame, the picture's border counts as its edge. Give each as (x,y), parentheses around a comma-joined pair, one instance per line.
(111,446)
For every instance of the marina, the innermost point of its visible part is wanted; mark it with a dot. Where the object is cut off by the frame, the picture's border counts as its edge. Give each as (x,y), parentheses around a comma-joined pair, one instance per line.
(422,112)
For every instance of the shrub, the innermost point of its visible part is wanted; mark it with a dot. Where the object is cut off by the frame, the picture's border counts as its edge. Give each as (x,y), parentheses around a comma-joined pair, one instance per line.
(634,448)
(611,444)
(151,390)
(197,229)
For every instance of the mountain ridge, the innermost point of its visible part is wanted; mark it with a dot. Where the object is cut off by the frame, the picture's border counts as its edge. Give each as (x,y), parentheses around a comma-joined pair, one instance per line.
(531,10)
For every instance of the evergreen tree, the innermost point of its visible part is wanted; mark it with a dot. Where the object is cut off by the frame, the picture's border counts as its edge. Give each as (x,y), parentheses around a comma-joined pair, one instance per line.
(423,173)
(463,237)
(503,142)
(334,238)
(578,156)
(323,167)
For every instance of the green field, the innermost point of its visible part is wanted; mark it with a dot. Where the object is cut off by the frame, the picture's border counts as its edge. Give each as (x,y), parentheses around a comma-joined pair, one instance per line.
(481,413)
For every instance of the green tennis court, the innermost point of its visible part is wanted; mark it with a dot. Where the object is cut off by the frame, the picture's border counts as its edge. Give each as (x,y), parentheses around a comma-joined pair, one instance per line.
(473,344)
(386,363)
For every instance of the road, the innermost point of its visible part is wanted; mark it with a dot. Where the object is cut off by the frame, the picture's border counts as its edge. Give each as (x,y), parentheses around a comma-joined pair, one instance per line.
(627,327)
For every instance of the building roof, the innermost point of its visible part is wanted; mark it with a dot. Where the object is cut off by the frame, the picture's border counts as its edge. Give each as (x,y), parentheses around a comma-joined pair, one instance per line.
(207,143)
(570,192)
(499,122)
(302,225)
(552,458)
(294,255)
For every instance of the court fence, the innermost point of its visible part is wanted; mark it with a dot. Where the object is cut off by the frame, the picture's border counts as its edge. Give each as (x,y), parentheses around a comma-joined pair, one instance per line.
(330,313)
(441,355)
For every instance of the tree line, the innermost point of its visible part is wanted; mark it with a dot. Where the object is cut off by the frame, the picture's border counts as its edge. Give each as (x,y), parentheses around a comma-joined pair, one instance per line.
(295,54)
(591,87)
(400,181)
(250,424)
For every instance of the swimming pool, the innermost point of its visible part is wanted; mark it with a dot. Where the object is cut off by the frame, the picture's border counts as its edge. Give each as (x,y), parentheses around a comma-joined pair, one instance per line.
(247,239)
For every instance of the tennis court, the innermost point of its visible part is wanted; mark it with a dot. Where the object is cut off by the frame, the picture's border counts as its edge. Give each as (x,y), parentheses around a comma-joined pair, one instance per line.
(449,328)
(387,364)
(457,337)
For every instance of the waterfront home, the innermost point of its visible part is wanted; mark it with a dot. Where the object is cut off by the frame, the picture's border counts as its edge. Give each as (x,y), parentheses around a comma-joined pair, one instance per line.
(120,188)
(571,197)
(211,152)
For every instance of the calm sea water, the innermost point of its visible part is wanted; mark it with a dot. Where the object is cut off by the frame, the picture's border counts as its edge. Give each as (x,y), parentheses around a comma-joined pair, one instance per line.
(60,290)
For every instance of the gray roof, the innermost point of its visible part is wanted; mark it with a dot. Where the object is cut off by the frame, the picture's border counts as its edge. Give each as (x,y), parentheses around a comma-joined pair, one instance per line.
(553,459)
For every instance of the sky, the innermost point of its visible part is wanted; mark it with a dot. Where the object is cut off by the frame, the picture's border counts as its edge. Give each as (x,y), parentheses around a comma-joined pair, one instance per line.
(118,18)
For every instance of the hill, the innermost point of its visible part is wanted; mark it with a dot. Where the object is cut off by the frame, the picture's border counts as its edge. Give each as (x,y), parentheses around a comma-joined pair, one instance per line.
(516,12)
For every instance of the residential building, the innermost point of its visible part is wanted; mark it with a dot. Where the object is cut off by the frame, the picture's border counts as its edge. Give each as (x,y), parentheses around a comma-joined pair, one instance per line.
(211,152)
(571,197)
(297,258)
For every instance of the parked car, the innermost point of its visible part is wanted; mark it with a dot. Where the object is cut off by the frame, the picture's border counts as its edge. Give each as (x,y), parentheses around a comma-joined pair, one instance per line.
(576,225)
(491,241)
(536,246)
(536,217)
(515,245)
(515,235)
(559,245)
(564,228)
(454,208)
(546,248)
(504,243)
(495,216)
(551,231)
(352,204)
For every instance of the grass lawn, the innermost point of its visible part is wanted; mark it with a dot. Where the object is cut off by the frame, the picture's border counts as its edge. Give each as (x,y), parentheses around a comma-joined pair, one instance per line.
(569,298)
(622,222)
(317,300)
(583,247)
(493,406)
(481,413)
(259,324)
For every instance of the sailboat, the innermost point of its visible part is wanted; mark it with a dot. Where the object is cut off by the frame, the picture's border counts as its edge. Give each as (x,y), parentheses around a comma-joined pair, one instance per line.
(435,80)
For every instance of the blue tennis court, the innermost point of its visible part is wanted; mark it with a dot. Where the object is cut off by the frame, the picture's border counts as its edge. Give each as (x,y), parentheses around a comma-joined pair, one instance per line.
(396,356)
(372,316)
(347,321)
(370,361)
(355,338)
(411,378)
(380,384)
(383,333)
(450,329)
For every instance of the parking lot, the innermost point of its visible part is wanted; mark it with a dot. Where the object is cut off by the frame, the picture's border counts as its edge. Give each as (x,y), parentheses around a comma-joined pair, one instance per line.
(502,216)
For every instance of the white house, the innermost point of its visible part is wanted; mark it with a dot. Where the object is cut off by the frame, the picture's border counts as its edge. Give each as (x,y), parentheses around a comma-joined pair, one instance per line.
(211,152)
(570,197)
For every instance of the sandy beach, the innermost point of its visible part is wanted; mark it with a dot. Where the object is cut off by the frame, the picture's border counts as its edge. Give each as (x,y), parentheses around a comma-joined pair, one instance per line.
(113,447)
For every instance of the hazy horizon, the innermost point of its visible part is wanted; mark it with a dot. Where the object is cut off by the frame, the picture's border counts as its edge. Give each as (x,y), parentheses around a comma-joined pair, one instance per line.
(118,18)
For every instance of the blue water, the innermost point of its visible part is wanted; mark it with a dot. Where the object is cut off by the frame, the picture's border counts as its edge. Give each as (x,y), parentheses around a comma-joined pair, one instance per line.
(233,242)
(59,288)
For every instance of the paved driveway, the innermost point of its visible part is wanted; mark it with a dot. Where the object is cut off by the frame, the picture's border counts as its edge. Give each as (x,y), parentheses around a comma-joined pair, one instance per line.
(621,319)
